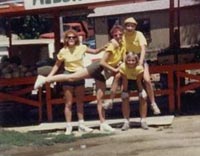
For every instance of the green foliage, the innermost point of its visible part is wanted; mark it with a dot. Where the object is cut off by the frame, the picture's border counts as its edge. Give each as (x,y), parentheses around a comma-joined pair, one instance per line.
(13,138)
(30,27)
(21,139)
(93,135)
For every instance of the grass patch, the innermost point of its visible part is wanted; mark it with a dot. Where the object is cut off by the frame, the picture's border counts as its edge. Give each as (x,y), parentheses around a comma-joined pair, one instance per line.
(28,139)
(94,135)
(13,138)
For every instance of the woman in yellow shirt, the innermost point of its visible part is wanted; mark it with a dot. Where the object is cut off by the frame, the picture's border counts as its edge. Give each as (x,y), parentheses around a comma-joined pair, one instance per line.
(136,42)
(71,55)
(99,70)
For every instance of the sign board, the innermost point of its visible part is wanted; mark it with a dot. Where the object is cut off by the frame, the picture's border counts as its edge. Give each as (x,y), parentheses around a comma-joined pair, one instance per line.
(38,4)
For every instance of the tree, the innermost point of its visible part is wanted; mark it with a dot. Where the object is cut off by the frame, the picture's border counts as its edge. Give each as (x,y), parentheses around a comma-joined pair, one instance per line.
(30,27)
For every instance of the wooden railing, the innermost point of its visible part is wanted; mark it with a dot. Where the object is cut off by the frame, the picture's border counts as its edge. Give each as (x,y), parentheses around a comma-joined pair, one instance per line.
(193,82)
(50,101)
(19,88)
(173,90)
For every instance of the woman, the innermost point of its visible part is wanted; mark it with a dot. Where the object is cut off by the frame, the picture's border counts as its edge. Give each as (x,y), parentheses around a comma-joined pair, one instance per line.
(100,71)
(72,55)
(136,42)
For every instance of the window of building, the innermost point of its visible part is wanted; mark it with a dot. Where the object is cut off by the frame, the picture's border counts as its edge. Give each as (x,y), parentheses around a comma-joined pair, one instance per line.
(145,28)
(111,22)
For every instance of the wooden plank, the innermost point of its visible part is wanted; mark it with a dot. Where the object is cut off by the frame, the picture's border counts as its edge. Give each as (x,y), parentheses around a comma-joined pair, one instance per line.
(152,121)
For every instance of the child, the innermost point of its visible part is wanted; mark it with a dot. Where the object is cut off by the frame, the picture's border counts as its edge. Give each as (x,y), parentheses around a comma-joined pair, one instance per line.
(131,72)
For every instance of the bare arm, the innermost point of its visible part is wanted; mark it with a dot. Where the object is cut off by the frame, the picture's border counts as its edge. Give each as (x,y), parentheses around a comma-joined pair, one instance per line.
(124,86)
(55,68)
(142,55)
(139,81)
(95,51)
(104,63)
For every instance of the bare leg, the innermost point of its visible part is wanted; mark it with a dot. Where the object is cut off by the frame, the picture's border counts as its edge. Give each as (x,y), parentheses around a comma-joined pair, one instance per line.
(126,108)
(142,92)
(68,95)
(108,104)
(150,91)
(143,107)
(68,103)
(101,87)
(143,113)
(139,82)
(148,84)
(115,85)
(79,75)
(79,93)
(125,105)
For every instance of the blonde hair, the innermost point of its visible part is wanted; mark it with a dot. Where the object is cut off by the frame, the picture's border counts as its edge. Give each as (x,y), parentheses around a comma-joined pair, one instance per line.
(71,31)
(130,54)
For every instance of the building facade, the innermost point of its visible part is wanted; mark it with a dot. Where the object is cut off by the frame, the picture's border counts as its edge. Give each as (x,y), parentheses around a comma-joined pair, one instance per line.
(153,18)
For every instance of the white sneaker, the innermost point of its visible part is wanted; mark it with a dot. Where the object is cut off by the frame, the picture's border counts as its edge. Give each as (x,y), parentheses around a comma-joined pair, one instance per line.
(68,130)
(83,128)
(108,104)
(155,109)
(40,81)
(125,126)
(104,127)
(143,94)
(144,125)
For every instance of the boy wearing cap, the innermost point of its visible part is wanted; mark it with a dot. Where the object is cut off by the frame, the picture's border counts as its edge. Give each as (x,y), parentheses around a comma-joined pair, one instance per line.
(136,42)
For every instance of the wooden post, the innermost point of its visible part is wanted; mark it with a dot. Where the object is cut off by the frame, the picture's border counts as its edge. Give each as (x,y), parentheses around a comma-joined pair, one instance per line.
(56,28)
(178,25)
(171,23)
(9,34)
(48,102)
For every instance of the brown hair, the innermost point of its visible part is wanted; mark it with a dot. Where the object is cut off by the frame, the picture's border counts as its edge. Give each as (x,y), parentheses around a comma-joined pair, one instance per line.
(116,28)
(71,31)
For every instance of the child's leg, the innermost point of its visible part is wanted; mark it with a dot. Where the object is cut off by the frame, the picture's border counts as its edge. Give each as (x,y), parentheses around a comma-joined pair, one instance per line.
(143,112)
(125,104)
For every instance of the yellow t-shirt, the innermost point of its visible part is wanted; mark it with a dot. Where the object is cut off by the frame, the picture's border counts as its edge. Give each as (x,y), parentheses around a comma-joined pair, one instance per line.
(72,57)
(134,41)
(131,73)
(116,54)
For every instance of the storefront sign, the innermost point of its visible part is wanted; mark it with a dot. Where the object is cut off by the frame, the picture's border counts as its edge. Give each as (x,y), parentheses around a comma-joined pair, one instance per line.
(38,4)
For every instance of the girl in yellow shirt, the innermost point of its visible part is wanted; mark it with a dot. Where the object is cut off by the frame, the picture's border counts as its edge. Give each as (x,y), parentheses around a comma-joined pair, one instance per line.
(132,73)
